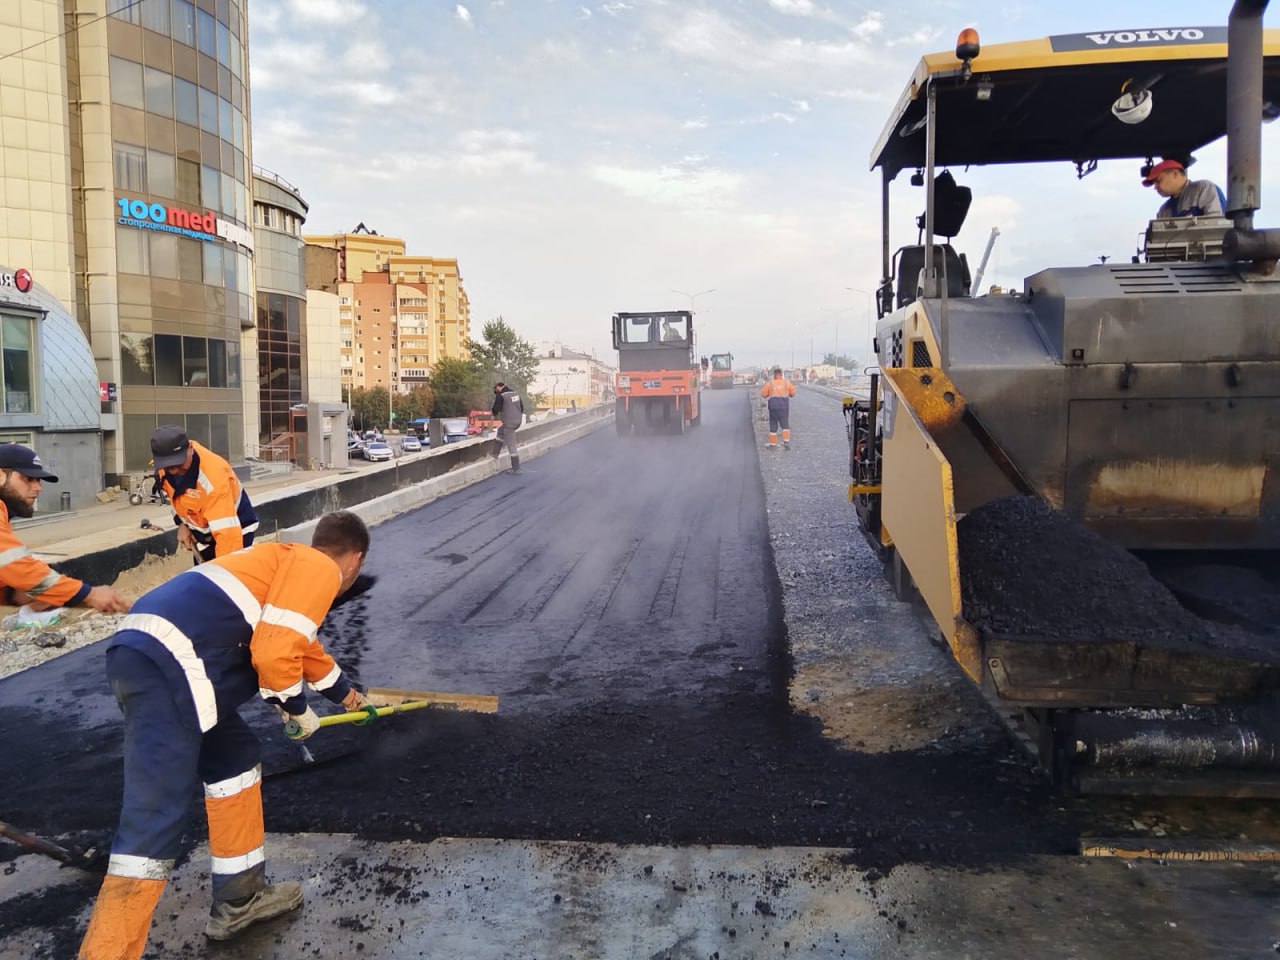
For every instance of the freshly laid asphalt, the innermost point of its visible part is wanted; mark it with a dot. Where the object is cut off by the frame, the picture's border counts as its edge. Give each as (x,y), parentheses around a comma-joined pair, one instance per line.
(646,788)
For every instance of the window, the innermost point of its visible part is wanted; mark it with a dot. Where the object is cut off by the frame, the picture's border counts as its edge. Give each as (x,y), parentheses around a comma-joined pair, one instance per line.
(160,181)
(164,255)
(212,263)
(210,187)
(208,111)
(233,364)
(136,362)
(186,101)
(126,83)
(183,15)
(206,39)
(195,361)
(188,181)
(129,163)
(130,11)
(155,15)
(132,250)
(224,119)
(217,363)
(190,260)
(158,91)
(168,364)
(15,344)
(224,45)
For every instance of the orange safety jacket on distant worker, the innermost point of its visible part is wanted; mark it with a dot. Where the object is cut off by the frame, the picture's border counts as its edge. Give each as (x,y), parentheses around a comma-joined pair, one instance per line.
(778,387)
(21,572)
(209,499)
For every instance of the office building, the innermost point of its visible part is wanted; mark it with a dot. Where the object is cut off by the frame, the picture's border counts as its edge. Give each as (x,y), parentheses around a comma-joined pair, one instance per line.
(126,190)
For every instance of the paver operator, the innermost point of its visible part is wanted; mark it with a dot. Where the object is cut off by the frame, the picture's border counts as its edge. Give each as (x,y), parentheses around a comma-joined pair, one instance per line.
(1186,198)
(507,405)
(27,580)
(211,508)
(779,391)
(190,653)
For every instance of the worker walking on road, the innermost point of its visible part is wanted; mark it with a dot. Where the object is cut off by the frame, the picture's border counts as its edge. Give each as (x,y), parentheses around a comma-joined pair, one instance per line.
(211,508)
(190,653)
(27,580)
(779,392)
(507,405)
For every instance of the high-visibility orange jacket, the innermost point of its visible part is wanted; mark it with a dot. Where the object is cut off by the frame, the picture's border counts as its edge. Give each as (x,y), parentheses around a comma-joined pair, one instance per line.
(778,387)
(19,570)
(242,624)
(212,502)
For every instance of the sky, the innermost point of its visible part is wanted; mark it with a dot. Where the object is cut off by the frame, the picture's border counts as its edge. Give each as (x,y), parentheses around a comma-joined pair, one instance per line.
(585,158)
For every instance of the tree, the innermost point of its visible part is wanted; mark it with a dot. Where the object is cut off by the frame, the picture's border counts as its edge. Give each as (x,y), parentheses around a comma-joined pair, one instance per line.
(505,356)
(369,407)
(841,361)
(414,404)
(459,386)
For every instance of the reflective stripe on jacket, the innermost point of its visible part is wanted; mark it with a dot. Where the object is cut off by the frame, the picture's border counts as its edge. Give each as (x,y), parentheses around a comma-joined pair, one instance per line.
(778,387)
(21,571)
(242,624)
(212,502)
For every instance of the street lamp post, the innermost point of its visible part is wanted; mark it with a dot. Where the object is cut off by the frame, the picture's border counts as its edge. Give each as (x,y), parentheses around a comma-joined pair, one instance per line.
(693,296)
(869,297)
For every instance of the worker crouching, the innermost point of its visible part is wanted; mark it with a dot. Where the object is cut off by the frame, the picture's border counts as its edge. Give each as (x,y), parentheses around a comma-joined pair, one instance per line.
(188,655)
(779,392)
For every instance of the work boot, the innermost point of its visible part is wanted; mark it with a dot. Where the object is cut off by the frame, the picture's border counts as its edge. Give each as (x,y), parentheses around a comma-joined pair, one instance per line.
(227,919)
(495,449)
(515,465)
(786,444)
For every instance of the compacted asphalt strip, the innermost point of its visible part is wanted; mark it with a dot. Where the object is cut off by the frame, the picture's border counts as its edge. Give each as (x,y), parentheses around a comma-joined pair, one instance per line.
(647,787)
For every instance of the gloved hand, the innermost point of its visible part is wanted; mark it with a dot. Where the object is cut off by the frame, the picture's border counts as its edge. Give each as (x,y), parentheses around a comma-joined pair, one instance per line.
(354,700)
(299,726)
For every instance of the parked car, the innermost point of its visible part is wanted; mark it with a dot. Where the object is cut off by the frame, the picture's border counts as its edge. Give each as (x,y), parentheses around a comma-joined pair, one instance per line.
(410,444)
(378,450)
(455,428)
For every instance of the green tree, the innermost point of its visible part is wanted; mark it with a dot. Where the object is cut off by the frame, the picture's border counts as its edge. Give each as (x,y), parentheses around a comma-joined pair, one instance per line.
(459,386)
(414,404)
(369,408)
(504,355)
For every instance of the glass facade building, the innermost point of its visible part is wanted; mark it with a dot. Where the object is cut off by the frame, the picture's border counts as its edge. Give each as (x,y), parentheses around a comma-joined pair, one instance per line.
(179,105)
(278,214)
(127,181)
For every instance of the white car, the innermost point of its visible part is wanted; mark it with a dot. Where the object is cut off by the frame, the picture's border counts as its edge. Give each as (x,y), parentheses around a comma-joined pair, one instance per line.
(411,445)
(378,451)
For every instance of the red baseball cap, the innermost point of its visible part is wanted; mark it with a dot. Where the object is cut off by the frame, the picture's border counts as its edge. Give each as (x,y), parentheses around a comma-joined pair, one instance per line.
(1156,169)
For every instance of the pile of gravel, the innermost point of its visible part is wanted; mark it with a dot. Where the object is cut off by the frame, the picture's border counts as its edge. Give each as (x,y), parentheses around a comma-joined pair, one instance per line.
(30,646)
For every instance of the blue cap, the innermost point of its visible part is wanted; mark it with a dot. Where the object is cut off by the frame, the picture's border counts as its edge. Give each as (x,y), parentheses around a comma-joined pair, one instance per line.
(14,456)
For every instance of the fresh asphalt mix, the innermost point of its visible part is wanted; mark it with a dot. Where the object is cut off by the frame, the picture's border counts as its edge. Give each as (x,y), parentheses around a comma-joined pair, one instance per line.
(656,782)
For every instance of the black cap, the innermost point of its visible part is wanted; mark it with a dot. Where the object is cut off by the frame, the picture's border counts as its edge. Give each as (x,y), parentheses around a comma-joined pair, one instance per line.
(169,446)
(14,456)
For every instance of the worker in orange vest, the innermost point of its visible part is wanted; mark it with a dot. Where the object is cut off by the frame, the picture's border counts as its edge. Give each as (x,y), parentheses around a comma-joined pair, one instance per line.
(779,392)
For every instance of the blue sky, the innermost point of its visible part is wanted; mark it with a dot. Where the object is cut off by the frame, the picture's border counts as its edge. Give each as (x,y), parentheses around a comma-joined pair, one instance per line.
(584,158)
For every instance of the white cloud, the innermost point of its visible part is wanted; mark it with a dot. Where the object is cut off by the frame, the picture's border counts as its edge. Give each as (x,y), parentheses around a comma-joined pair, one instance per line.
(869,25)
(801,7)
(463,14)
(698,123)
(673,185)
(613,9)
(337,12)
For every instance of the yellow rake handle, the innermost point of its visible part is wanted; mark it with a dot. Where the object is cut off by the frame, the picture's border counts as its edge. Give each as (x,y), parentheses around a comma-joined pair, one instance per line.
(370,713)
(292,729)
